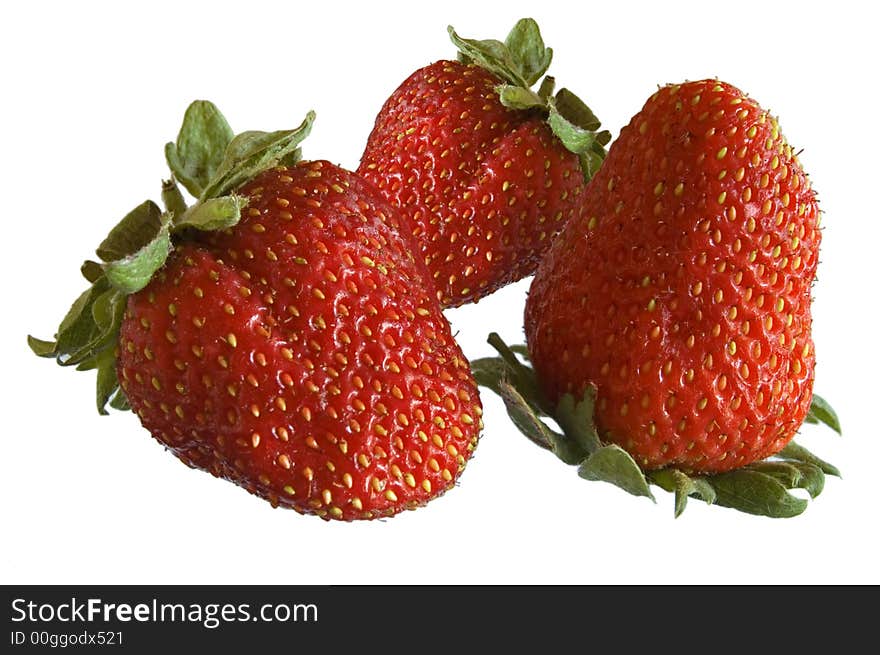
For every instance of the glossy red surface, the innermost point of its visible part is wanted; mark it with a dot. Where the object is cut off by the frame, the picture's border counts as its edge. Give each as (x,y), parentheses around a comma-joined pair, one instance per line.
(683,291)
(302,355)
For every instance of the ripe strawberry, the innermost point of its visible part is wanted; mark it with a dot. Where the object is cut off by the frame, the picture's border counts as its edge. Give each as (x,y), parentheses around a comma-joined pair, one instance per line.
(296,350)
(486,170)
(669,326)
(682,293)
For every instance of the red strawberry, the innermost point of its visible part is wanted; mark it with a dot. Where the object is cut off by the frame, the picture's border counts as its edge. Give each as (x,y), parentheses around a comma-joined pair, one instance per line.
(299,353)
(691,272)
(678,304)
(486,170)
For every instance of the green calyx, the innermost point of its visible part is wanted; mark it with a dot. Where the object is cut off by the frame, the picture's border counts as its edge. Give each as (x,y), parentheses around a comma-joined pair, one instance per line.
(519,62)
(211,163)
(760,488)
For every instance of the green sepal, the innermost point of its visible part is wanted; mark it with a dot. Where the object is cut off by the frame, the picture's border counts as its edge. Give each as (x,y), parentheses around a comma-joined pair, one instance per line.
(520,62)
(520,375)
(517,97)
(821,411)
(788,474)
(106,308)
(99,333)
(87,336)
(200,147)
(753,492)
(529,422)
(613,464)
(683,486)
(700,488)
(577,443)
(138,228)
(119,401)
(523,416)
(133,272)
(106,382)
(245,156)
(490,54)
(575,111)
(748,490)
(761,488)
(812,479)
(793,475)
(135,248)
(89,364)
(211,164)
(213,214)
(527,50)
(488,372)
(91,271)
(515,385)
(576,419)
(78,327)
(40,347)
(250,153)
(796,453)
(586,143)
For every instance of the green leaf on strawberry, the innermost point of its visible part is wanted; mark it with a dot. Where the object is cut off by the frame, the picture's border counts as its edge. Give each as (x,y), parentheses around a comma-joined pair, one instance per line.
(252,152)
(78,328)
(133,272)
(822,412)
(107,383)
(683,486)
(517,97)
(574,110)
(794,475)
(40,347)
(761,488)
(521,376)
(488,372)
(527,50)
(755,492)
(796,453)
(576,420)
(613,464)
(812,479)
(200,146)
(212,214)
(498,58)
(530,424)
(133,232)
(190,323)
(119,401)
(520,62)
(211,163)
(584,143)
(91,271)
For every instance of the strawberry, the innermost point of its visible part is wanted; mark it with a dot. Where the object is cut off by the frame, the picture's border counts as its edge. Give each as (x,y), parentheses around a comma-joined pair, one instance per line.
(486,170)
(677,305)
(281,335)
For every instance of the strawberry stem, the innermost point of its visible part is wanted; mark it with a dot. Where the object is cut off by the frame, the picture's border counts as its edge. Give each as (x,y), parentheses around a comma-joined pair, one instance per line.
(172,198)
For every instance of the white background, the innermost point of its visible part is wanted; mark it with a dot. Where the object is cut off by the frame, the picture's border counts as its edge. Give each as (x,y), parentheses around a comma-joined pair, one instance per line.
(92,92)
